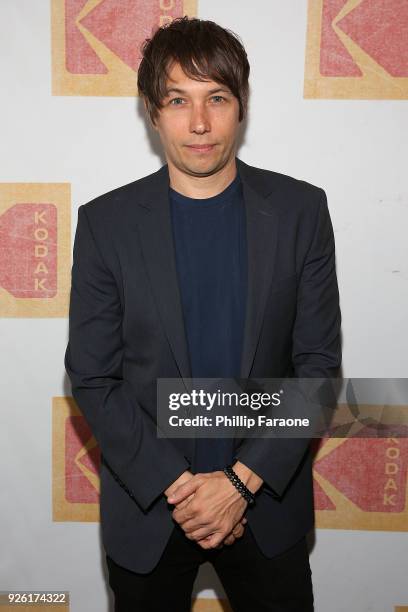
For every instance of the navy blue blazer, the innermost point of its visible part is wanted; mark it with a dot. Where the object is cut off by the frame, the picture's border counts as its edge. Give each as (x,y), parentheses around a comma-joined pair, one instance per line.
(126,330)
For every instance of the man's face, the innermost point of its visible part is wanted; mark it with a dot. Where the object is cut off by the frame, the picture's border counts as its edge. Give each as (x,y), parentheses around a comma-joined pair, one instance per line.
(197,113)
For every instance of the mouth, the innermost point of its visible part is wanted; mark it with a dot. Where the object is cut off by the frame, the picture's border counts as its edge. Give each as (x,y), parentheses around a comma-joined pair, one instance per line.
(200,148)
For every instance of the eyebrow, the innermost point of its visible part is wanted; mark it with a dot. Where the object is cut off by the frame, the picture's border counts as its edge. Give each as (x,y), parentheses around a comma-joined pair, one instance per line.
(182,91)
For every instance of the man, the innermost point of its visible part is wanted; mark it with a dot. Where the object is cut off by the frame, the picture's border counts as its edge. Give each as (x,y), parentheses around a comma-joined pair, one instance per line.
(208,267)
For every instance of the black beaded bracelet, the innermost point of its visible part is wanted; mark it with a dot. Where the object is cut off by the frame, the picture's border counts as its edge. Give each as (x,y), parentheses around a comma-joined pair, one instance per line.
(237,482)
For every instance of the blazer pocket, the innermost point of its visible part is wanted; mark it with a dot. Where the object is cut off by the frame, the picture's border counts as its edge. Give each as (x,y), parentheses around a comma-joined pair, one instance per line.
(283,283)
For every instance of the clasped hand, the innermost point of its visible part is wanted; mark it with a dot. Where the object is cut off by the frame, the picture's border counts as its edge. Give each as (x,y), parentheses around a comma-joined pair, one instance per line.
(209,509)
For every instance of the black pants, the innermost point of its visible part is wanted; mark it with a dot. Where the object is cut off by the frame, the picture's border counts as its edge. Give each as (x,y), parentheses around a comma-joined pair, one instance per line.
(252,582)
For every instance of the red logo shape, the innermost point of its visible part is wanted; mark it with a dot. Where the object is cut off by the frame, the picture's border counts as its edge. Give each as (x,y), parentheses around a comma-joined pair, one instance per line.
(378,27)
(82,462)
(370,472)
(335,60)
(121,25)
(28,252)
(80,57)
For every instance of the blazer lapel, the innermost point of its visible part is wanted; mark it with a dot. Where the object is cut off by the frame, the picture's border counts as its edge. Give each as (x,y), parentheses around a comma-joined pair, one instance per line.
(262,228)
(158,248)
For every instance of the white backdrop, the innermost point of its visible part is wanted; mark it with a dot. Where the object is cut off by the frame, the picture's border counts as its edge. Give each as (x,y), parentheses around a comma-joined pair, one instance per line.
(357,150)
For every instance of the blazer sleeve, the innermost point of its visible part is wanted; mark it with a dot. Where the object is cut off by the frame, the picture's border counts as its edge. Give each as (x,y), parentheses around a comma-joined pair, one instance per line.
(316,351)
(142,463)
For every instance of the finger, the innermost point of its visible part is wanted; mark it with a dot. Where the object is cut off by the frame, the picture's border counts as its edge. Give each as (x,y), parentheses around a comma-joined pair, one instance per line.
(213,541)
(184,503)
(187,515)
(208,540)
(191,522)
(199,534)
(191,518)
(238,533)
(235,533)
(185,490)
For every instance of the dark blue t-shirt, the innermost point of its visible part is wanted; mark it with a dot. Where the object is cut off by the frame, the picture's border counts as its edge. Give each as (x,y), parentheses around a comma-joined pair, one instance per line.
(211,258)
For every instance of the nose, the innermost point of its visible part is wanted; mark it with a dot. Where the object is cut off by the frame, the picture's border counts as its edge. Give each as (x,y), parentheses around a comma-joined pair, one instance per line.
(199,120)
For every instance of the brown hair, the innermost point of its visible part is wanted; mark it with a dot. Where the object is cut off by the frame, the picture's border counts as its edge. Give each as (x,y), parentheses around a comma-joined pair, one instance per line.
(204,50)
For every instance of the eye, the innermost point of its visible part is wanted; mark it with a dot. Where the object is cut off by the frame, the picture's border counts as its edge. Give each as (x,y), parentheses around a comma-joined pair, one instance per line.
(220,97)
(174,100)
